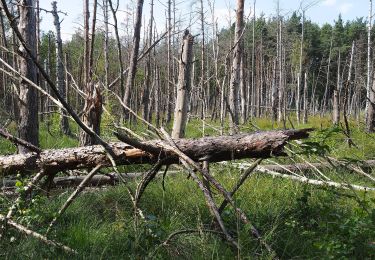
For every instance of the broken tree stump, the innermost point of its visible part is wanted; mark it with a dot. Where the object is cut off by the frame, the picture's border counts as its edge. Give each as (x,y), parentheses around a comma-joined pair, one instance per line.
(212,149)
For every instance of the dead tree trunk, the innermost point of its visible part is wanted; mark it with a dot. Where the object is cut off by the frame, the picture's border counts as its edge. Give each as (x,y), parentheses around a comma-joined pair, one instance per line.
(183,86)
(336,95)
(60,75)
(28,125)
(298,100)
(305,102)
(325,96)
(134,55)
(212,149)
(370,101)
(146,90)
(119,48)
(236,65)
(106,43)
(92,109)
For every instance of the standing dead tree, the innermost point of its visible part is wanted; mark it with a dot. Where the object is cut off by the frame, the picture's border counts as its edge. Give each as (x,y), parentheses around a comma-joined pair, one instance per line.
(146,90)
(370,96)
(28,125)
(134,54)
(119,46)
(236,65)
(60,74)
(183,86)
(92,109)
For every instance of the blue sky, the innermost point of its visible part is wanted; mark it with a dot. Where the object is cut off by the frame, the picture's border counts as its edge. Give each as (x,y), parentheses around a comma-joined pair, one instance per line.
(325,11)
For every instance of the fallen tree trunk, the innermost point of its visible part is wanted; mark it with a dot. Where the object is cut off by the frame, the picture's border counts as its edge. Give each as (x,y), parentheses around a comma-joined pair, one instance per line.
(305,167)
(212,149)
(113,179)
(96,181)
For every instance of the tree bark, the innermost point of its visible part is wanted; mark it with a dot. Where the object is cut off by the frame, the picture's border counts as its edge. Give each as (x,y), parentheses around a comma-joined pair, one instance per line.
(298,100)
(134,55)
(146,90)
(60,74)
(92,109)
(183,86)
(28,125)
(236,65)
(370,96)
(336,95)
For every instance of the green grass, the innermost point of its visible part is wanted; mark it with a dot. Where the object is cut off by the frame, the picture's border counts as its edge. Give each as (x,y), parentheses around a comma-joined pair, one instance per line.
(298,221)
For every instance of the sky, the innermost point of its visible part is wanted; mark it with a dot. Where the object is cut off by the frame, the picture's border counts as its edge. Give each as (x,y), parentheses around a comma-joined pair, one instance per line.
(324,11)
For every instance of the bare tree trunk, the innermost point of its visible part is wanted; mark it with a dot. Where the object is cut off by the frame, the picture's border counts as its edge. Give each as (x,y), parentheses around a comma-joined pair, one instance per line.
(274,92)
(170,87)
(253,67)
(203,87)
(92,109)
(235,72)
(28,125)
(298,100)
(119,47)
(38,79)
(305,103)
(146,91)
(183,86)
(325,96)
(336,94)
(281,78)
(370,96)
(157,96)
(243,90)
(60,75)
(134,55)
(346,95)
(106,44)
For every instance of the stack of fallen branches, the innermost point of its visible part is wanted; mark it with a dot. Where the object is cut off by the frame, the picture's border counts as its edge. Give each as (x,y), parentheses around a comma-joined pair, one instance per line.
(302,172)
(189,152)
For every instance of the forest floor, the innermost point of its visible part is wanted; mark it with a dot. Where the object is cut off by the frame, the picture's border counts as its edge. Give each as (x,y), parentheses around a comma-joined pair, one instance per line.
(299,221)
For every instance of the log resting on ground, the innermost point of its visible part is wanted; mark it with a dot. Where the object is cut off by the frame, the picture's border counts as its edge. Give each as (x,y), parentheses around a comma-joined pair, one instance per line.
(212,149)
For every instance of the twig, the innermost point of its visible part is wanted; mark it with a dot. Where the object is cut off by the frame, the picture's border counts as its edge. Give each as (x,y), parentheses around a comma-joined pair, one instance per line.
(186,161)
(149,176)
(316,182)
(19,141)
(69,201)
(38,236)
(27,190)
(242,179)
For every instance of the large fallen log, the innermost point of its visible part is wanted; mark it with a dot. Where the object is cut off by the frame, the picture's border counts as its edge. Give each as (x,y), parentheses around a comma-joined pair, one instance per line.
(213,149)
(112,178)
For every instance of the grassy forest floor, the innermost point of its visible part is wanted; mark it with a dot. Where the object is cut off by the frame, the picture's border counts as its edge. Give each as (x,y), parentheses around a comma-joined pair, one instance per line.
(299,221)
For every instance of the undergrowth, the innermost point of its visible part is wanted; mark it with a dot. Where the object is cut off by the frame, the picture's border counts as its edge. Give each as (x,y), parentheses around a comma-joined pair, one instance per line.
(297,220)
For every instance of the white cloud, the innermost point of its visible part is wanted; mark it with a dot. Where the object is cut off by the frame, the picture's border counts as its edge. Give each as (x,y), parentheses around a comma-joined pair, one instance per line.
(345,8)
(329,2)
